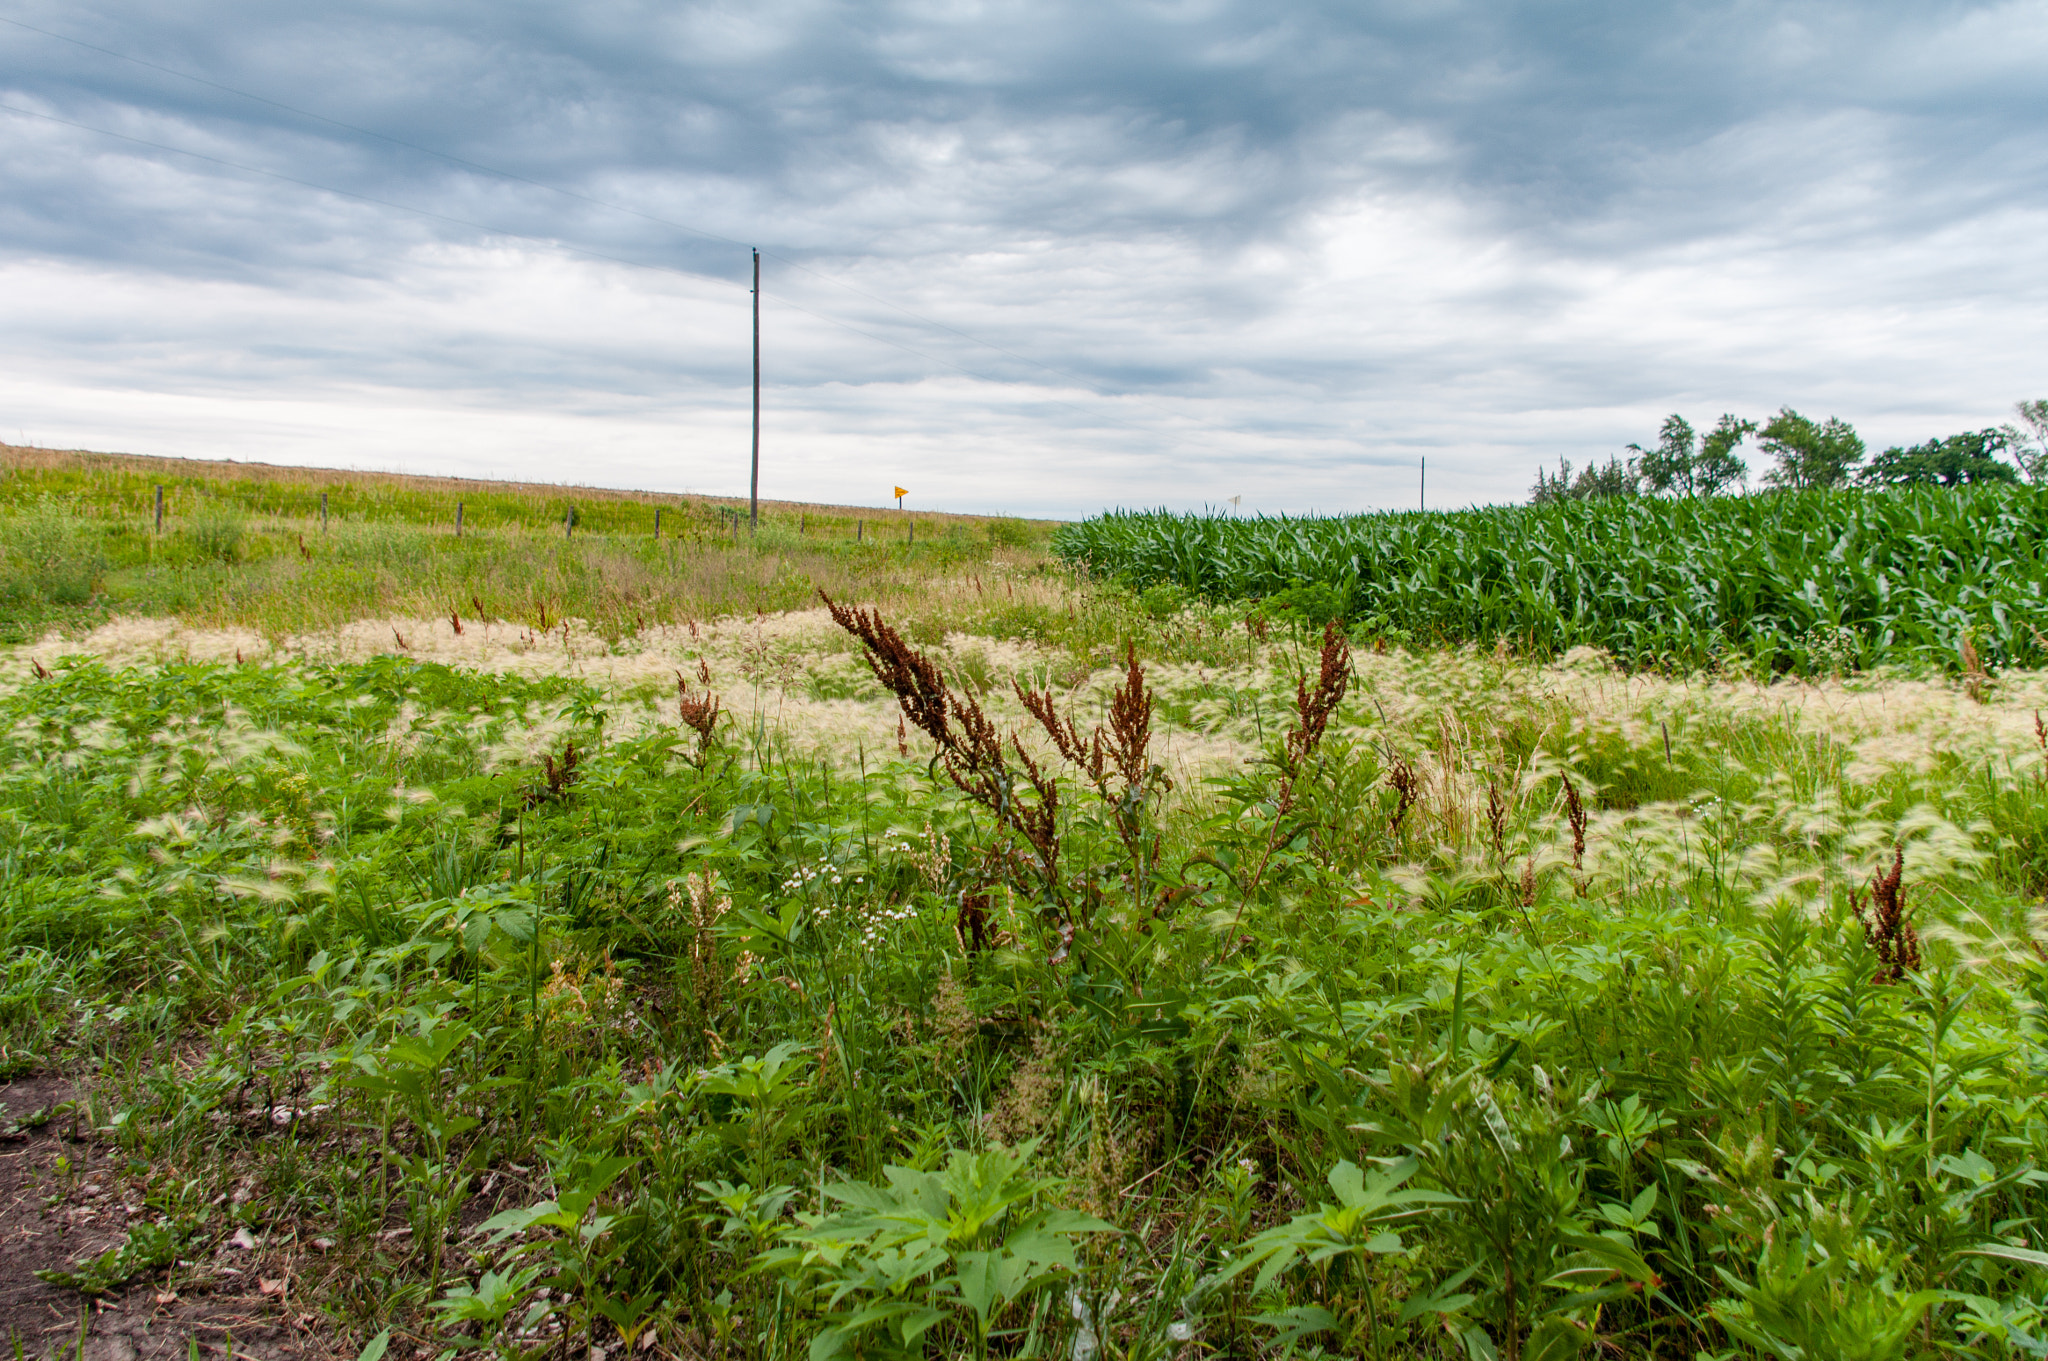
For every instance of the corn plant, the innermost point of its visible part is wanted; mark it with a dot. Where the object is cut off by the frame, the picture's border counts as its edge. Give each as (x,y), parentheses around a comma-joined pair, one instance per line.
(1778,579)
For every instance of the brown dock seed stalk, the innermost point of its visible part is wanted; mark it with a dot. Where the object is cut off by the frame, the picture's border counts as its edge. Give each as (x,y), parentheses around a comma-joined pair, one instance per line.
(1886,927)
(556,777)
(918,684)
(1407,787)
(1575,813)
(455,622)
(1497,819)
(1314,708)
(699,713)
(971,925)
(1130,724)
(970,749)
(1066,737)
(1038,823)
(902,738)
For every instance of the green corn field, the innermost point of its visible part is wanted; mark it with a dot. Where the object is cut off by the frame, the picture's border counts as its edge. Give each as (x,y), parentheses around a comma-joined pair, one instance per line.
(1801,581)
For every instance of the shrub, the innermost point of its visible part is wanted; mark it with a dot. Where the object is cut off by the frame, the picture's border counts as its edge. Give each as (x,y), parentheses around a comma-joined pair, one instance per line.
(51,553)
(216,532)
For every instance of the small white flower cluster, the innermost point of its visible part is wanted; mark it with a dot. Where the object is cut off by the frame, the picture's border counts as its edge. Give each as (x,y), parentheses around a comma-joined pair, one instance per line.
(820,875)
(881,918)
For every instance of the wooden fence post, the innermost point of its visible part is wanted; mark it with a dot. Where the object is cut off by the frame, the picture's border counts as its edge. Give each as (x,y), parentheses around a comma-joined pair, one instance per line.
(159,509)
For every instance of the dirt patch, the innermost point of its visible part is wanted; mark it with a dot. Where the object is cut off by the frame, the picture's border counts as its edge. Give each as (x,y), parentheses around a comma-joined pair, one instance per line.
(66,1197)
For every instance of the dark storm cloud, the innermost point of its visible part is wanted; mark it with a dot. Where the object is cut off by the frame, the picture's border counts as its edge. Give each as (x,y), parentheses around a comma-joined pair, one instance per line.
(1311,238)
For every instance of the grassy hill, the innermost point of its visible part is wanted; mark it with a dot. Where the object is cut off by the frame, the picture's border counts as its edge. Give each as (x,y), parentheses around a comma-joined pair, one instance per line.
(288,548)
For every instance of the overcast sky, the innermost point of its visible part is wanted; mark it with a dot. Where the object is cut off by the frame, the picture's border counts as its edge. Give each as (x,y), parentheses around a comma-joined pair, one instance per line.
(1038,258)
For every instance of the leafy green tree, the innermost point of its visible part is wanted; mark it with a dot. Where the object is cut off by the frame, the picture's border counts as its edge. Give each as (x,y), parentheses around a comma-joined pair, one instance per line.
(1810,455)
(1684,465)
(2030,445)
(1616,479)
(1668,467)
(1951,462)
(1718,467)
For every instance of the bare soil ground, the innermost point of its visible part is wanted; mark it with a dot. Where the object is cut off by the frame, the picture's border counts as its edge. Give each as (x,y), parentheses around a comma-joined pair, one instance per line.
(65,1197)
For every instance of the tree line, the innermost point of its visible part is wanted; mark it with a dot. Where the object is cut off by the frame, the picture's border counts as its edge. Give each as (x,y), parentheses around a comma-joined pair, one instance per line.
(1805,454)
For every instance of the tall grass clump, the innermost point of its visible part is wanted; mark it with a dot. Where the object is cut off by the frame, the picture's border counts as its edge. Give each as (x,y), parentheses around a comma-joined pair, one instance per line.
(49,555)
(1785,580)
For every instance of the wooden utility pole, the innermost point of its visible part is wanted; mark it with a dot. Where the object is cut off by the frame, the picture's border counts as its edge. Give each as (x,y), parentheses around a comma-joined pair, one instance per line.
(1422,487)
(754,487)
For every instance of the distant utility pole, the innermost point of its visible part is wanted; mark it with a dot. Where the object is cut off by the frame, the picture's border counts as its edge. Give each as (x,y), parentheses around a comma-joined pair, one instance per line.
(1422,487)
(754,488)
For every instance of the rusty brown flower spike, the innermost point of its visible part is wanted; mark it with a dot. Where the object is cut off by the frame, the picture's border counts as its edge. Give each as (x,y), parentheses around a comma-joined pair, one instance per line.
(1575,812)
(1039,822)
(912,677)
(1066,738)
(699,713)
(1407,787)
(1886,927)
(970,748)
(973,924)
(1313,708)
(1130,724)
(557,777)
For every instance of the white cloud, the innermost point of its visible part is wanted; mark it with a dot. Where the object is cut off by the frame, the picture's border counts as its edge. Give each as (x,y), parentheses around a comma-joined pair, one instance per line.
(1215,249)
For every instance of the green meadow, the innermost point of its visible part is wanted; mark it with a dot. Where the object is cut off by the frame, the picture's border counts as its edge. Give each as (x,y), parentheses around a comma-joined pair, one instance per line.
(544,944)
